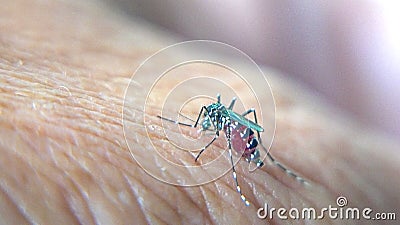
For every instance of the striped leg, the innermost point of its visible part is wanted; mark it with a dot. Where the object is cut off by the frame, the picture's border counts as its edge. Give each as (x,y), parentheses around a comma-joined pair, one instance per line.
(184,124)
(204,148)
(280,165)
(246,202)
(286,170)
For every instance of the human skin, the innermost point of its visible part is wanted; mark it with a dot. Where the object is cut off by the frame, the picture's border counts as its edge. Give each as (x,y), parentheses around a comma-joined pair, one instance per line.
(64,158)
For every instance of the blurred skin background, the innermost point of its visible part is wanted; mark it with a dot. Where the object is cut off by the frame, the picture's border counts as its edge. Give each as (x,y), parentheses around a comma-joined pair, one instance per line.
(346,51)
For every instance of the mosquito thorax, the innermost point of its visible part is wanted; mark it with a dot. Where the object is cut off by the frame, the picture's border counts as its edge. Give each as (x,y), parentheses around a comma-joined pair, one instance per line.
(216,114)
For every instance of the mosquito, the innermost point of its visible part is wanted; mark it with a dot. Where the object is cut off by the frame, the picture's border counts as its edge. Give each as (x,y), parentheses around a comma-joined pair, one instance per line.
(240,134)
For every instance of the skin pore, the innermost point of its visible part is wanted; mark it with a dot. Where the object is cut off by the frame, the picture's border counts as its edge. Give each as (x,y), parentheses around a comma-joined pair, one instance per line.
(64,67)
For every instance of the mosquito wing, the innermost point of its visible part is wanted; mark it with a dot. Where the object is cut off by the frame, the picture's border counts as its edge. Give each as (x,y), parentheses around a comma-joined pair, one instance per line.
(244,121)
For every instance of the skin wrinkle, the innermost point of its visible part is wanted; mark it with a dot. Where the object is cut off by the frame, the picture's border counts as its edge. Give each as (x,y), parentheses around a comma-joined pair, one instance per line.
(209,207)
(49,97)
(166,202)
(26,180)
(160,196)
(25,218)
(280,178)
(75,185)
(60,191)
(66,189)
(174,206)
(82,205)
(259,196)
(102,182)
(148,208)
(197,205)
(97,188)
(255,183)
(219,192)
(136,196)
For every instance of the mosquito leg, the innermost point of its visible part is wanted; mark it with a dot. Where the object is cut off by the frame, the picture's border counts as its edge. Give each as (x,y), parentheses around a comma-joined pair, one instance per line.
(232,103)
(250,111)
(174,121)
(184,124)
(286,170)
(277,163)
(246,202)
(204,148)
(256,154)
(186,117)
(198,117)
